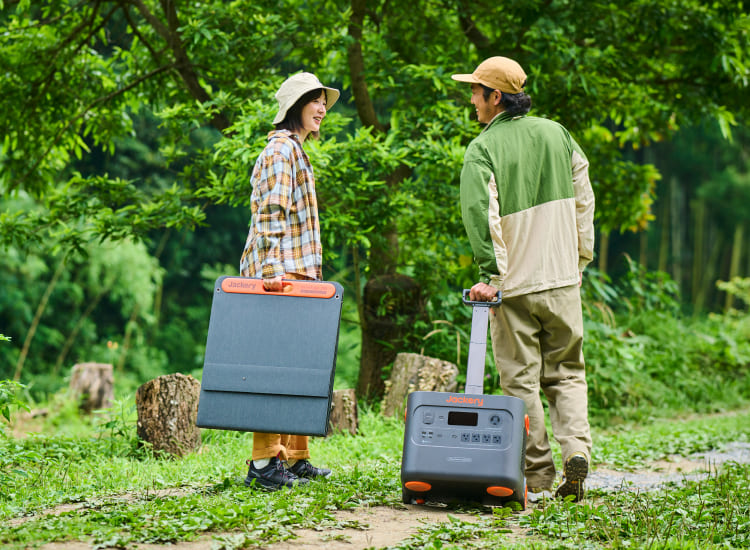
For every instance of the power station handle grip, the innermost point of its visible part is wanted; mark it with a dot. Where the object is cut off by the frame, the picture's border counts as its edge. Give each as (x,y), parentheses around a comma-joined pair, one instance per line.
(479,303)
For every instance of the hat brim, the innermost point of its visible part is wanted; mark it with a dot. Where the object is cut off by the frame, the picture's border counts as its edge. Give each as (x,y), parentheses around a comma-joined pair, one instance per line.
(465,78)
(332,96)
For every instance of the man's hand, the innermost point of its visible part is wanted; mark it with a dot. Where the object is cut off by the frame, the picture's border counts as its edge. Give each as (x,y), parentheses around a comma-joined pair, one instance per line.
(273,284)
(482,292)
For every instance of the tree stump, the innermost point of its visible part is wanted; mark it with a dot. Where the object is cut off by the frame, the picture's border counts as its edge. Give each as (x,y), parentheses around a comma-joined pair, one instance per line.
(415,372)
(167,408)
(92,384)
(344,416)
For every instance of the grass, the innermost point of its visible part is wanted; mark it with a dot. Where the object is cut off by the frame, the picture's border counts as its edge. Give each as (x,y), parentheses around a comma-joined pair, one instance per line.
(706,514)
(115,494)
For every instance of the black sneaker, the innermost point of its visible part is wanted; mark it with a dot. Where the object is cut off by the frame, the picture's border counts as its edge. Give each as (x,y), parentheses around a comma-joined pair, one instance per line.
(273,477)
(575,471)
(303,469)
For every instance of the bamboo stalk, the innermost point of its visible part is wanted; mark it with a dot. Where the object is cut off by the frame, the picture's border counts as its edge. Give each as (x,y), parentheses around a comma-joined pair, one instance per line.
(664,237)
(709,274)
(734,264)
(643,249)
(676,200)
(603,250)
(699,209)
(76,329)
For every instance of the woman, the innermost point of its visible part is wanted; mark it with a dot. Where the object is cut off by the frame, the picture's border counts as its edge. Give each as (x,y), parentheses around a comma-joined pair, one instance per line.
(284,243)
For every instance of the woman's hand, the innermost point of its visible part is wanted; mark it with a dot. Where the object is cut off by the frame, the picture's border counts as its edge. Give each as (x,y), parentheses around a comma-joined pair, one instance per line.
(273,284)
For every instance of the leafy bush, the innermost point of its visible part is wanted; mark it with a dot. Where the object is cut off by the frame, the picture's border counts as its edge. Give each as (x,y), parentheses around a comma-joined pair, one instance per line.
(642,355)
(9,399)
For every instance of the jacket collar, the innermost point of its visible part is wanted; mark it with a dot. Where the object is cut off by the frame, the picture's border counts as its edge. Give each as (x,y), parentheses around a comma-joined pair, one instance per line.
(499,118)
(273,134)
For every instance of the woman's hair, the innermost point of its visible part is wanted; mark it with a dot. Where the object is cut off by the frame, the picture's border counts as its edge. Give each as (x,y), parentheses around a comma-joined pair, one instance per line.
(514,104)
(293,119)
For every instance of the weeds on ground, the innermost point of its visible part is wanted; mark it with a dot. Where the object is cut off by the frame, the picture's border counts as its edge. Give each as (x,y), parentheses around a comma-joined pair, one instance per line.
(712,512)
(629,446)
(118,495)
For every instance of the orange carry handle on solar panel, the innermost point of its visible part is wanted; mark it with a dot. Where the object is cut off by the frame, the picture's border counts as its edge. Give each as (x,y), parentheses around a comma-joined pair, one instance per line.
(304,289)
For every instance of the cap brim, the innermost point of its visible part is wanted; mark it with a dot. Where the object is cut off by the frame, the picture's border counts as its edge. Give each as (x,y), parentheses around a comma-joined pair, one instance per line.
(465,78)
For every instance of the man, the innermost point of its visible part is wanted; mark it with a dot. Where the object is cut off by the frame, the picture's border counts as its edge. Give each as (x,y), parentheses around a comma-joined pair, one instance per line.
(528,209)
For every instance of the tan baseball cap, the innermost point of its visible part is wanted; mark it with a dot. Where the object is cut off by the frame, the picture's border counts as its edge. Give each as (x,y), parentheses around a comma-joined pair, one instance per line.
(295,87)
(498,73)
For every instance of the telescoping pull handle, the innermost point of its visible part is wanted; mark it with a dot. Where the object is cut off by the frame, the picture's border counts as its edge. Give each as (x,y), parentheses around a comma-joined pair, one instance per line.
(494,303)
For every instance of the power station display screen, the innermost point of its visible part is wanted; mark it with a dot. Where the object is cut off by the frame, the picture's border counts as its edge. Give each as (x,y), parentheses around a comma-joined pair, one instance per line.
(458,418)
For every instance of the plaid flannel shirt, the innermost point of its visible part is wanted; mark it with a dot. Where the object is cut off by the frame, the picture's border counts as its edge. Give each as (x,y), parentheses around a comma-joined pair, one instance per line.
(284,232)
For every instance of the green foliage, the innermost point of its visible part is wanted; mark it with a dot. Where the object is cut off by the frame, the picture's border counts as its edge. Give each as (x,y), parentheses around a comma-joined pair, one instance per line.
(141,122)
(82,78)
(696,515)
(641,353)
(118,494)
(460,533)
(628,447)
(121,277)
(9,398)
(738,287)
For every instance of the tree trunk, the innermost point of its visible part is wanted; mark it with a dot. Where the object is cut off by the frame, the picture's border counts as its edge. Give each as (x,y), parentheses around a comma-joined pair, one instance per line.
(414,372)
(167,408)
(382,324)
(355,59)
(344,416)
(391,304)
(92,384)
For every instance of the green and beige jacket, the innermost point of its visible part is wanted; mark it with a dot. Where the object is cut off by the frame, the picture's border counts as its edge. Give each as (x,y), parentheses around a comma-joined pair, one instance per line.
(527,205)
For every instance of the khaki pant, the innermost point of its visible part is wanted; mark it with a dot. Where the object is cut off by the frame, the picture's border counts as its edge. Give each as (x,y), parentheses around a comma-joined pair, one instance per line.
(285,446)
(537,340)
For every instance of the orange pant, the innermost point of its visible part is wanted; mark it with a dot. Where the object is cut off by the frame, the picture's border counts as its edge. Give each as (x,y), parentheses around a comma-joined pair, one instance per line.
(284,446)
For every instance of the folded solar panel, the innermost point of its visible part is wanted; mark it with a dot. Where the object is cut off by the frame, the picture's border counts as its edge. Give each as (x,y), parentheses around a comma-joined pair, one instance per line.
(270,356)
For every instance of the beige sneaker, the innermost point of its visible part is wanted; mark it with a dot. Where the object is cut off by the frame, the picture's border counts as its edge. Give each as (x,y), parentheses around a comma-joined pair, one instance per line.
(575,471)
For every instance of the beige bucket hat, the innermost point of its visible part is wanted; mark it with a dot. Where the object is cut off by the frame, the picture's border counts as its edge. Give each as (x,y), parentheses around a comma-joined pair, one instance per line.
(498,73)
(295,87)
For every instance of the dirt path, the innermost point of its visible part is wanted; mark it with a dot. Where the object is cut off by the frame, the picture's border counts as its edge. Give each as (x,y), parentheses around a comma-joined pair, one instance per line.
(379,527)
(383,526)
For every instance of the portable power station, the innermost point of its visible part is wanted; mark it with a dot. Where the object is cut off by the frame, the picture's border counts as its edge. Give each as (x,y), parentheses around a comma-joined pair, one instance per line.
(466,446)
